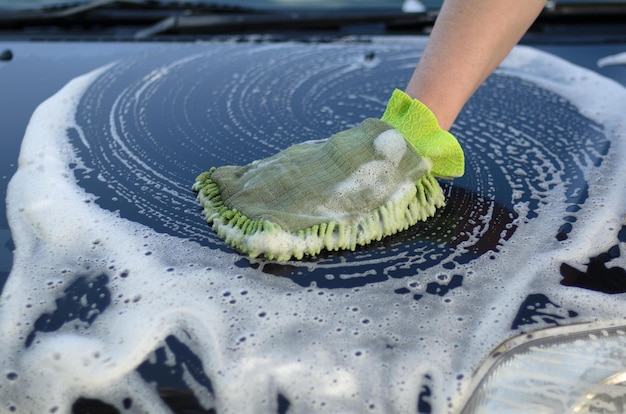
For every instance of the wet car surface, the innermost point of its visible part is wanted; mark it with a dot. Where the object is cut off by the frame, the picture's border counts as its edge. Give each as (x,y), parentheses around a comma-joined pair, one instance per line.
(115,265)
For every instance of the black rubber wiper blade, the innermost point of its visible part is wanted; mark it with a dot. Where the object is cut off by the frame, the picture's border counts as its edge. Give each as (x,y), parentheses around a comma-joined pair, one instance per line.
(282,20)
(90,5)
(107,11)
(59,12)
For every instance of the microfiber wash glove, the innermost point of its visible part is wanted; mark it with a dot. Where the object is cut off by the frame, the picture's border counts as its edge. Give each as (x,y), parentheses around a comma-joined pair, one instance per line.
(357,186)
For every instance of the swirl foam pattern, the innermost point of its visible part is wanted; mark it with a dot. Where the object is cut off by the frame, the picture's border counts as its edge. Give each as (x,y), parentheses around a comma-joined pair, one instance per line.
(129,277)
(164,118)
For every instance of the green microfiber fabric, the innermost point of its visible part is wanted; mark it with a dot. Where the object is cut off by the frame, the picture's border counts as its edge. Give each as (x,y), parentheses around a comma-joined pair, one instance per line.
(357,186)
(420,127)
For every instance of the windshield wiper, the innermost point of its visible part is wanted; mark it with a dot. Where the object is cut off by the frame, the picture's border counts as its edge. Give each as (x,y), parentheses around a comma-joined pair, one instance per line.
(286,20)
(111,12)
(141,19)
(62,12)
(85,7)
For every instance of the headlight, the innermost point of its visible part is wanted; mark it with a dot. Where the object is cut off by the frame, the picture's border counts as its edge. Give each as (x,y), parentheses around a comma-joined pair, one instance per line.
(579,369)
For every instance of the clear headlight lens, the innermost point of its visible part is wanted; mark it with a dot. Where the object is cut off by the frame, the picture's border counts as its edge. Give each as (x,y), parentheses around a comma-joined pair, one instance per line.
(576,369)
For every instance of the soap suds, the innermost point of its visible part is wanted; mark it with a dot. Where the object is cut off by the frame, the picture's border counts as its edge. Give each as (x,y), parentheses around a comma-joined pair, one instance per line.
(366,349)
(618,59)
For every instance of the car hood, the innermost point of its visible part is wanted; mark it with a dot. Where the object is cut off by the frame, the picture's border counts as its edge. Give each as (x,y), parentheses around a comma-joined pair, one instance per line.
(117,282)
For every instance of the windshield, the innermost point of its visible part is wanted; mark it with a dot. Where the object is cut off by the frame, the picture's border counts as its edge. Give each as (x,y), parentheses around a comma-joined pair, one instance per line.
(406,5)
(254,4)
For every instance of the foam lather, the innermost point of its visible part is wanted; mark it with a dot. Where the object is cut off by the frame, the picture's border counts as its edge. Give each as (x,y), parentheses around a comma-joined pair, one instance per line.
(357,186)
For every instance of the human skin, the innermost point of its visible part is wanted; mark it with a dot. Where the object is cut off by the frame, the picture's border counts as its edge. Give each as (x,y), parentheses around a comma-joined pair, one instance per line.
(469,40)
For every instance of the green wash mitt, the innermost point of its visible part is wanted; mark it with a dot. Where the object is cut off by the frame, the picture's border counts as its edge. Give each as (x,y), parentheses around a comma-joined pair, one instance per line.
(359,185)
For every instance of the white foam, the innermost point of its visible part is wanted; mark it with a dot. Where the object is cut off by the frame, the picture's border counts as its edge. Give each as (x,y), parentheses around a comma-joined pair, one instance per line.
(617,59)
(391,145)
(374,176)
(311,345)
